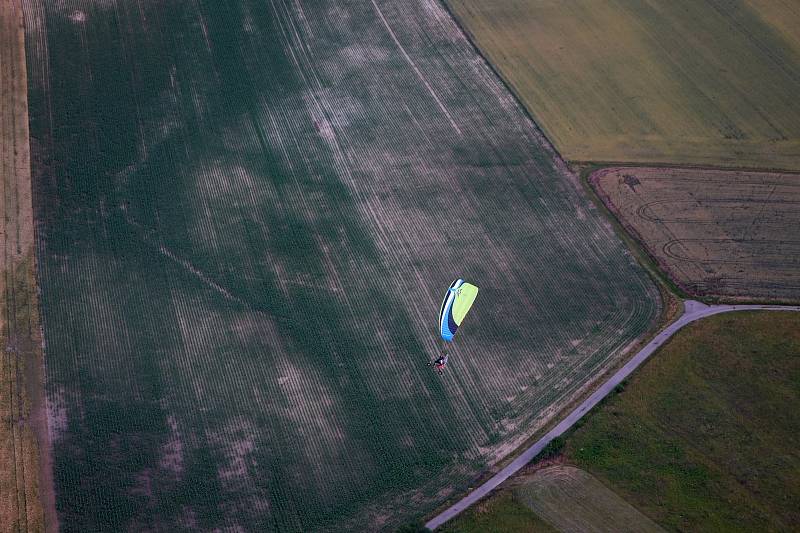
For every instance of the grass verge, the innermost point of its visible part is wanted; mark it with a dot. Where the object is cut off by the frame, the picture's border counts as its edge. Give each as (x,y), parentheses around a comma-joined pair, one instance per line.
(503,511)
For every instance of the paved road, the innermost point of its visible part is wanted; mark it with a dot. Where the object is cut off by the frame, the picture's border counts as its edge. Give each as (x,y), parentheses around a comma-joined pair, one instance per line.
(692,311)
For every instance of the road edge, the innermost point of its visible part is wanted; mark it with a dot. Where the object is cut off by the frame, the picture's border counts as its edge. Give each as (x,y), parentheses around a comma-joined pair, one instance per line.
(693,311)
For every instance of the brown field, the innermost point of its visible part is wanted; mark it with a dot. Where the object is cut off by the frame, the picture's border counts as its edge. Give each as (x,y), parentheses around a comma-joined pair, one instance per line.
(21,420)
(718,234)
(571,499)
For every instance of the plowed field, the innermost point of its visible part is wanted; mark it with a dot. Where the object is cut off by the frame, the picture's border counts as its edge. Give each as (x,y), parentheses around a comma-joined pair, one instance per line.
(721,234)
(700,82)
(247,212)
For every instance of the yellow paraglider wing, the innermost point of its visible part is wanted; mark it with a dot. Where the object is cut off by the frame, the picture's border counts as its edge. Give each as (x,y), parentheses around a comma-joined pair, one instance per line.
(465,297)
(456,304)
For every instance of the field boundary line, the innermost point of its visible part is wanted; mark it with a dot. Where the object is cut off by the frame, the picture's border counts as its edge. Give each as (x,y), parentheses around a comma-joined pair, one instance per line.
(539,128)
(692,311)
(631,237)
(600,164)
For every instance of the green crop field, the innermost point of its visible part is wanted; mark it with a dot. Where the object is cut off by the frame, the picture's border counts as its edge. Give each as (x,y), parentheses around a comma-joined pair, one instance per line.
(247,213)
(705,437)
(701,82)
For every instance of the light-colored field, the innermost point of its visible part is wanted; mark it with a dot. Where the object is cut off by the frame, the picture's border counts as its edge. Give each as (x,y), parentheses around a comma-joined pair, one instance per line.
(242,262)
(681,81)
(573,500)
(716,233)
(22,425)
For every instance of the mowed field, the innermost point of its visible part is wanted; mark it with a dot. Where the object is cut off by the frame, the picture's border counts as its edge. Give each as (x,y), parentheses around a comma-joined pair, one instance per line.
(732,235)
(247,213)
(573,500)
(711,82)
(554,497)
(705,437)
(23,427)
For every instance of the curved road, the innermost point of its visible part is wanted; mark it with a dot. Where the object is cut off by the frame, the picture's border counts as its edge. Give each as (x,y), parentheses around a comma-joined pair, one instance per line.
(692,311)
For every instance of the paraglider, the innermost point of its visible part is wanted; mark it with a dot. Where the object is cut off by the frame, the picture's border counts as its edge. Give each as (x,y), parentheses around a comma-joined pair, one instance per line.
(456,304)
(440,363)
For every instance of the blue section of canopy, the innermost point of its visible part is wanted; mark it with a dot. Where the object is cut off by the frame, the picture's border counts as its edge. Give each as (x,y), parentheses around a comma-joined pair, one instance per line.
(447,326)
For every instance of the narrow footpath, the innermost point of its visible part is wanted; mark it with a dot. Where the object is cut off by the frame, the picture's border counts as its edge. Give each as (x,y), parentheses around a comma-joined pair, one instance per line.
(692,311)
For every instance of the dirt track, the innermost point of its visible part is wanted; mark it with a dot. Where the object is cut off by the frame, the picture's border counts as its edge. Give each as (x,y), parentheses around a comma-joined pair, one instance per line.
(692,311)
(24,426)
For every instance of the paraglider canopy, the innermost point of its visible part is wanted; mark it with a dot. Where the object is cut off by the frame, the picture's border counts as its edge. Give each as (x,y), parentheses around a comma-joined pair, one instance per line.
(456,304)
